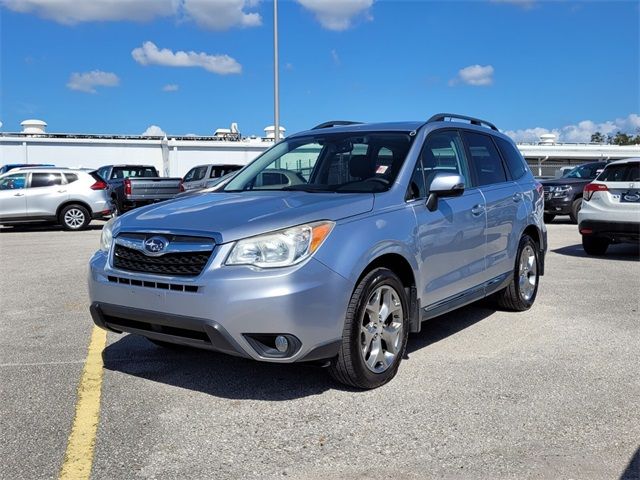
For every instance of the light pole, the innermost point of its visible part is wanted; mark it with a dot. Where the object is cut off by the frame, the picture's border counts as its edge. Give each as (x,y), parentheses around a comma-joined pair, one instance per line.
(276,80)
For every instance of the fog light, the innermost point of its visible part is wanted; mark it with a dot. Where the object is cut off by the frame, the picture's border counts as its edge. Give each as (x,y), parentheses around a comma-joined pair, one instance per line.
(282,344)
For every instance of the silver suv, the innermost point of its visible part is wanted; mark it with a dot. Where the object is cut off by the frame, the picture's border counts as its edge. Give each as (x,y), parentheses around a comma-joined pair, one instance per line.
(60,195)
(394,224)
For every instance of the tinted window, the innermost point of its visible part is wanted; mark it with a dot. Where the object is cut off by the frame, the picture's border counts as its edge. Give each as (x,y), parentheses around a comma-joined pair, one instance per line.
(416,187)
(515,163)
(45,179)
(133,172)
(485,159)
(625,172)
(13,182)
(588,171)
(195,174)
(71,177)
(217,172)
(443,153)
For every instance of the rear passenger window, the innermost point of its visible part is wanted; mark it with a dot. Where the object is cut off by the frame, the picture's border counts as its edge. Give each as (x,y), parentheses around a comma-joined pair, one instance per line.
(45,179)
(71,177)
(621,172)
(443,153)
(485,159)
(515,162)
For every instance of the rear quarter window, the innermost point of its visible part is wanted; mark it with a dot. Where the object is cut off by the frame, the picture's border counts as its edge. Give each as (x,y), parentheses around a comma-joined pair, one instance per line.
(71,177)
(515,163)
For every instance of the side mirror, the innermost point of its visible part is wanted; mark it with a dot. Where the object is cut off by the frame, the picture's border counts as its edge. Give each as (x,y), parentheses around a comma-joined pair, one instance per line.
(444,185)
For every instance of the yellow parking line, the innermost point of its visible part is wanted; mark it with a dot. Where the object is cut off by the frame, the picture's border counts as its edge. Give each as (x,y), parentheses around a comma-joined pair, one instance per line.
(78,458)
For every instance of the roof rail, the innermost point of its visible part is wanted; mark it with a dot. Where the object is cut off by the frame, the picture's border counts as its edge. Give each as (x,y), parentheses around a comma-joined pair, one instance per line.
(440,117)
(334,123)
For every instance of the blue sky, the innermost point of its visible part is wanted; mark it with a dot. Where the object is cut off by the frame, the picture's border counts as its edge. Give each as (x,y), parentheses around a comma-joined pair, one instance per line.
(100,67)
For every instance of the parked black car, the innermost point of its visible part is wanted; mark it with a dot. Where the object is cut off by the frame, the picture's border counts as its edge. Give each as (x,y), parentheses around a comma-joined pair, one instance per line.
(133,186)
(563,196)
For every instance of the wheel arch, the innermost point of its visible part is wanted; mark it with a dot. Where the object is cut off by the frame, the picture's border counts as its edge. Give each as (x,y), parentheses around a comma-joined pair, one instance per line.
(399,265)
(536,235)
(73,202)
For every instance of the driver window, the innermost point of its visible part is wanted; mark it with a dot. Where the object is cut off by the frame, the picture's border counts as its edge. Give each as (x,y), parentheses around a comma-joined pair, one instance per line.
(13,182)
(443,153)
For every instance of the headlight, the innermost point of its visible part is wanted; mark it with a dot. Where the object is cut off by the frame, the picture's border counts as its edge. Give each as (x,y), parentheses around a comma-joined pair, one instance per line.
(107,235)
(282,248)
(560,190)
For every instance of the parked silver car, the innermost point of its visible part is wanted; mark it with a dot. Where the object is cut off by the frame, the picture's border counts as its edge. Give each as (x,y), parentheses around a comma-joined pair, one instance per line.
(205,176)
(65,196)
(390,225)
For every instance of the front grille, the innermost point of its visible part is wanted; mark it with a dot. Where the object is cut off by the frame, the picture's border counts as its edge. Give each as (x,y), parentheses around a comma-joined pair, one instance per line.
(547,192)
(186,264)
(176,287)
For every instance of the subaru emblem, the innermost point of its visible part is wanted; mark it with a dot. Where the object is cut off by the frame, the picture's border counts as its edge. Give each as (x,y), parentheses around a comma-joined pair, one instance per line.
(155,245)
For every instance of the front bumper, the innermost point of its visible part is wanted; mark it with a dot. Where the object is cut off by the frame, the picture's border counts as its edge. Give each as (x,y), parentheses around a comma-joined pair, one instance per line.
(558,205)
(222,307)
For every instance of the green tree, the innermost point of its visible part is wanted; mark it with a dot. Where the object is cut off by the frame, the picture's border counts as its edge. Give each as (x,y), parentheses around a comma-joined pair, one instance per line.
(598,138)
(622,139)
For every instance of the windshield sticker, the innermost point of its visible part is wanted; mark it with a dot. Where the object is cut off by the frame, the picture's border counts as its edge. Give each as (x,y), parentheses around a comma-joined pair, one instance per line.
(381,169)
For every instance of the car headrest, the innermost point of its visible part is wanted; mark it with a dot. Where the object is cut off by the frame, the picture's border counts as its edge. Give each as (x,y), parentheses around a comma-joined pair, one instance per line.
(360,166)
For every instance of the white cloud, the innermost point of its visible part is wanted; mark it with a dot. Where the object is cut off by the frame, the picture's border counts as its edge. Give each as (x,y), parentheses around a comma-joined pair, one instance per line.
(476,75)
(580,132)
(70,12)
(221,14)
(210,14)
(153,131)
(88,81)
(338,14)
(149,54)
(172,87)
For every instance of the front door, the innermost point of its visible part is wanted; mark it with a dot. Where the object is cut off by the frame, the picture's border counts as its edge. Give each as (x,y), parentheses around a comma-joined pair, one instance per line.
(13,203)
(450,239)
(45,194)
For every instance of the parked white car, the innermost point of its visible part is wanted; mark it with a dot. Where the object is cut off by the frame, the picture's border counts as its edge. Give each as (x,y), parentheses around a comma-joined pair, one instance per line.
(204,176)
(60,195)
(611,207)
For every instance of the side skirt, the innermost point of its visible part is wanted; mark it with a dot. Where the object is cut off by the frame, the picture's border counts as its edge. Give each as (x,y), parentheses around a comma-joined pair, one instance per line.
(468,296)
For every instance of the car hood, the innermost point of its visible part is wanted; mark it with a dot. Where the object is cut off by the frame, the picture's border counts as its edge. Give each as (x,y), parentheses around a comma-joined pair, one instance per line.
(228,216)
(566,181)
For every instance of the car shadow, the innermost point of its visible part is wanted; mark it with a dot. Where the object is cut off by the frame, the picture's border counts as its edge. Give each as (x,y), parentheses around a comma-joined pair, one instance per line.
(214,373)
(632,472)
(95,225)
(439,328)
(241,379)
(621,251)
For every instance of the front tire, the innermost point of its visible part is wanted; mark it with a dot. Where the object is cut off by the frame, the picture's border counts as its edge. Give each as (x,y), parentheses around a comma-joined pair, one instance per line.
(74,217)
(375,333)
(521,292)
(595,245)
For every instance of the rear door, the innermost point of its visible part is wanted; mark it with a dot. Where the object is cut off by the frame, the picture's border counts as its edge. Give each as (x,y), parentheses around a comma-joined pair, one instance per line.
(13,201)
(45,193)
(451,239)
(503,199)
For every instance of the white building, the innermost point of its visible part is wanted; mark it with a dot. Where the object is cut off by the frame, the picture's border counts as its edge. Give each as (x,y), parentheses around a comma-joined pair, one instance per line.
(175,155)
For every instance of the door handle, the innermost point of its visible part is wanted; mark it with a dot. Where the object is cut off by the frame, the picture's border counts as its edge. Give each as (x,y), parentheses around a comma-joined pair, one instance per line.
(19,194)
(517,197)
(61,191)
(477,210)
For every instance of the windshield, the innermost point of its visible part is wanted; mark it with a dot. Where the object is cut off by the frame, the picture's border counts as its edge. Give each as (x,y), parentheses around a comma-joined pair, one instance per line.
(351,162)
(584,171)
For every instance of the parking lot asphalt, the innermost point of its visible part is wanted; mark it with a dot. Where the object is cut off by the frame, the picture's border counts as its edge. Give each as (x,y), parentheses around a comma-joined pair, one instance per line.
(549,393)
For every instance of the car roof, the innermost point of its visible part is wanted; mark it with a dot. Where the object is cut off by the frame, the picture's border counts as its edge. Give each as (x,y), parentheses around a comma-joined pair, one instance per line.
(624,160)
(47,170)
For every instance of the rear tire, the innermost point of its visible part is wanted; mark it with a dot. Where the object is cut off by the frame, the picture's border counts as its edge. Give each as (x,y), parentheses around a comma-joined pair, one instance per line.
(595,245)
(375,333)
(523,289)
(575,208)
(74,217)
(548,217)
